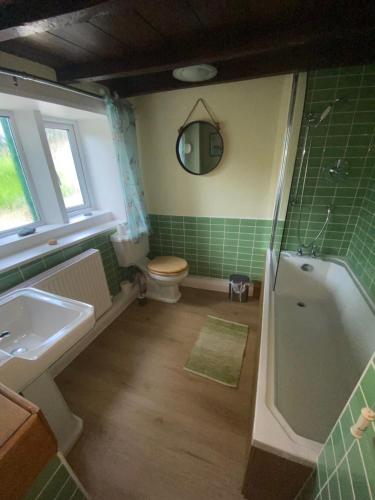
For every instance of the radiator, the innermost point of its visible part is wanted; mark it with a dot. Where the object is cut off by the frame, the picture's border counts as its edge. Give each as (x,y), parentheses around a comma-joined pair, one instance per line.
(80,278)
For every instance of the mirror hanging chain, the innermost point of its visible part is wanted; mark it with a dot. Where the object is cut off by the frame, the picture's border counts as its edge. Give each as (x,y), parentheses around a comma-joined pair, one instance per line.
(200,100)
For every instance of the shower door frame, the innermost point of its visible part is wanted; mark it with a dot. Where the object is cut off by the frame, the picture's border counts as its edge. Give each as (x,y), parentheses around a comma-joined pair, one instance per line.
(299,80)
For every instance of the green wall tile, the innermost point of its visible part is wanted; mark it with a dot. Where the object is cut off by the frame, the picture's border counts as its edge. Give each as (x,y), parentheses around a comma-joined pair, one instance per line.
(368,386)
(358,474)
(367,448)
(324,494)
(347,472)
(322,470)
(346,421)
(334,488)
(54,259)
(344,479)
(215,246)
(53,487)
(9,279)
(73,251)
(114,273)
(42,478)
(55,482)
(32,269)
(357,402)
(329,454)
(348,133)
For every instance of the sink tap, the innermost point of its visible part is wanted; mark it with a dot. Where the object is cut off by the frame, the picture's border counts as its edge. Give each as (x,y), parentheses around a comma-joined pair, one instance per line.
(314,251)
(300,252)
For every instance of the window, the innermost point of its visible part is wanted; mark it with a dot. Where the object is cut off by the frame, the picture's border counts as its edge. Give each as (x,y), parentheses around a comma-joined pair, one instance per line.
(43,179)
(62,141)
(17,206)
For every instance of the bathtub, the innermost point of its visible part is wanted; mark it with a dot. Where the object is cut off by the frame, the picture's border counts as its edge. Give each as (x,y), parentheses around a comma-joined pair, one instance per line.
(317,336)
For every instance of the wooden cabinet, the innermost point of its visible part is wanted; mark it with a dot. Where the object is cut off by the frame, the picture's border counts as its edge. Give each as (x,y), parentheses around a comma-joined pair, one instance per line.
(26,444)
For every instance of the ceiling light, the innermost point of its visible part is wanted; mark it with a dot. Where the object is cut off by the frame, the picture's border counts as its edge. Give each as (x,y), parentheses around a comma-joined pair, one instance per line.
(197,73)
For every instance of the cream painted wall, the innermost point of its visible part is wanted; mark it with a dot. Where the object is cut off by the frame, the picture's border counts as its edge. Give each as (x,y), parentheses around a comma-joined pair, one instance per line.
(100,157)
(253,117)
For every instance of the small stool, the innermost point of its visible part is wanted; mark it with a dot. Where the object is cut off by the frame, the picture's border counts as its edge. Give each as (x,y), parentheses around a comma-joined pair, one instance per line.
(239,287)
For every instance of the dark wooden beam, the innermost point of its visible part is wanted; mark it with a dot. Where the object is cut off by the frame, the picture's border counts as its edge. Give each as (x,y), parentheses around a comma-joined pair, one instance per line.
(282,61)
(210,50)
(20,18)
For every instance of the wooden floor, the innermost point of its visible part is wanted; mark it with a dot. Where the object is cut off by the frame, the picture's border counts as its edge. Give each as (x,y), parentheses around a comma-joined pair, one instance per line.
(151,429)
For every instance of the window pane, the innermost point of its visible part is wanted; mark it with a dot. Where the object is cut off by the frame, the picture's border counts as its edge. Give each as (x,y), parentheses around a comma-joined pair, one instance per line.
(58,140)
(16,205)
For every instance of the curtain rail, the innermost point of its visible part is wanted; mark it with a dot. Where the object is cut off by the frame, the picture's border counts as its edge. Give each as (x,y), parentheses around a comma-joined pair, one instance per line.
(44,81)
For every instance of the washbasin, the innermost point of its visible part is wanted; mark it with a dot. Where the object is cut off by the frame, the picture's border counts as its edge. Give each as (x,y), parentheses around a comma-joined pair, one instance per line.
(36,329)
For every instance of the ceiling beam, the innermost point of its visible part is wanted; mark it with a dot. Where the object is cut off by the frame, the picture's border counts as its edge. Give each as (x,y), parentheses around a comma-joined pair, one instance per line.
(208,50)
(287,60)
(20,18)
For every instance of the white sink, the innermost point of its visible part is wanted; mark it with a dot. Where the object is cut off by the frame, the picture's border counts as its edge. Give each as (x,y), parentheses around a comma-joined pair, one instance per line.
(36,329)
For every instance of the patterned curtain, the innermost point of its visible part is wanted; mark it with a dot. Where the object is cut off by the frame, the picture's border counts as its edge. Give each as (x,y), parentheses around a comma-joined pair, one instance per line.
(121,118)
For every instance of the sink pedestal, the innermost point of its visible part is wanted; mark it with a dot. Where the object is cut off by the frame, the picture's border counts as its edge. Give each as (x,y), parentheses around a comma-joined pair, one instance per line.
(66,426)
(40,328)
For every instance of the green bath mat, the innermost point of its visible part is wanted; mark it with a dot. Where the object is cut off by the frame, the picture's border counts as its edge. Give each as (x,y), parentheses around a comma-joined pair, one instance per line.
(218,352)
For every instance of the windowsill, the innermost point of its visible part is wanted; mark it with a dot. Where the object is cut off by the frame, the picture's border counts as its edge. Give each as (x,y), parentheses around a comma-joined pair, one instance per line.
(15,250)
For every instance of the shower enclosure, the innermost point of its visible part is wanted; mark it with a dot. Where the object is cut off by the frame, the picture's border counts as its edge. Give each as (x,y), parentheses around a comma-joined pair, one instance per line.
(333,174)
(319,290)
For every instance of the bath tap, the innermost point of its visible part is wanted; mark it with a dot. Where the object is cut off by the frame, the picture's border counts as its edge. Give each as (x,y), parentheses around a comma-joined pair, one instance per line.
(314,251)
(300,251)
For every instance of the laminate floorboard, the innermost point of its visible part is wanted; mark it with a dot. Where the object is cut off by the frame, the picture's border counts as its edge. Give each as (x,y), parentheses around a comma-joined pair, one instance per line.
(151,429)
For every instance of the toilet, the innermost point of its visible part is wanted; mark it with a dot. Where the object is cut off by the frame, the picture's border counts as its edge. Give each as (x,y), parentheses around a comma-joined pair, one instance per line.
(163,274)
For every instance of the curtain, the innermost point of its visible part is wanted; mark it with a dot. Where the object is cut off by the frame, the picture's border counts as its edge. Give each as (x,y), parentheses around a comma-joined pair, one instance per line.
(122,122)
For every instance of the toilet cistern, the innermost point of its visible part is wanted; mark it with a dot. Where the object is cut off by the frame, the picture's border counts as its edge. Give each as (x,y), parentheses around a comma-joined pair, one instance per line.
(163,274)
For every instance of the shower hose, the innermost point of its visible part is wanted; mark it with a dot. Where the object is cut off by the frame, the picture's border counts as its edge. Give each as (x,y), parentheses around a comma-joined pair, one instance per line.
(329,210)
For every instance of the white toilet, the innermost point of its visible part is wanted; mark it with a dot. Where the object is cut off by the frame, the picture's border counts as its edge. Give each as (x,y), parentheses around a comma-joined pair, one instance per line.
(163,274)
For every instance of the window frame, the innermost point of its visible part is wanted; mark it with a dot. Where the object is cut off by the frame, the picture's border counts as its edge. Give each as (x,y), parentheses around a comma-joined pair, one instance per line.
(28,177)
(79,162)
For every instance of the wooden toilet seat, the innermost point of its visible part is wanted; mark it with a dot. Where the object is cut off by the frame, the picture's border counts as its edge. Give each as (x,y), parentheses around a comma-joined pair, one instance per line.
(167,266)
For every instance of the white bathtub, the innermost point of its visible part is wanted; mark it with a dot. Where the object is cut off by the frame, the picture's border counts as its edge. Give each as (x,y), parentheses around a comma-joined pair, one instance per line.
(311,354)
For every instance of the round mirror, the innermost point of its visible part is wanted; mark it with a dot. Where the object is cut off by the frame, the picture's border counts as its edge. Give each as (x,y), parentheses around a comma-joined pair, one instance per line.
(199,147)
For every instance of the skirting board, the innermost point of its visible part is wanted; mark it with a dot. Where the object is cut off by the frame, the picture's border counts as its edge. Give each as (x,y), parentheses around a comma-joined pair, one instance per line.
(207,283)
(120,303)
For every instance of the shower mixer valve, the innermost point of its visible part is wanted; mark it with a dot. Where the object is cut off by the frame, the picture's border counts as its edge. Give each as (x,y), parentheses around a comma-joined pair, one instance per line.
(314,251)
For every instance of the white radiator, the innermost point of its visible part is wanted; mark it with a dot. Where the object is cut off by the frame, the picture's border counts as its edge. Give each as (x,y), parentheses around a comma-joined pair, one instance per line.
(80,278)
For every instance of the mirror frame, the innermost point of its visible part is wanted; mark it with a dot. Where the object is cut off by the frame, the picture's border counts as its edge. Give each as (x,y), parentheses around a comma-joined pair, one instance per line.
(182,130)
